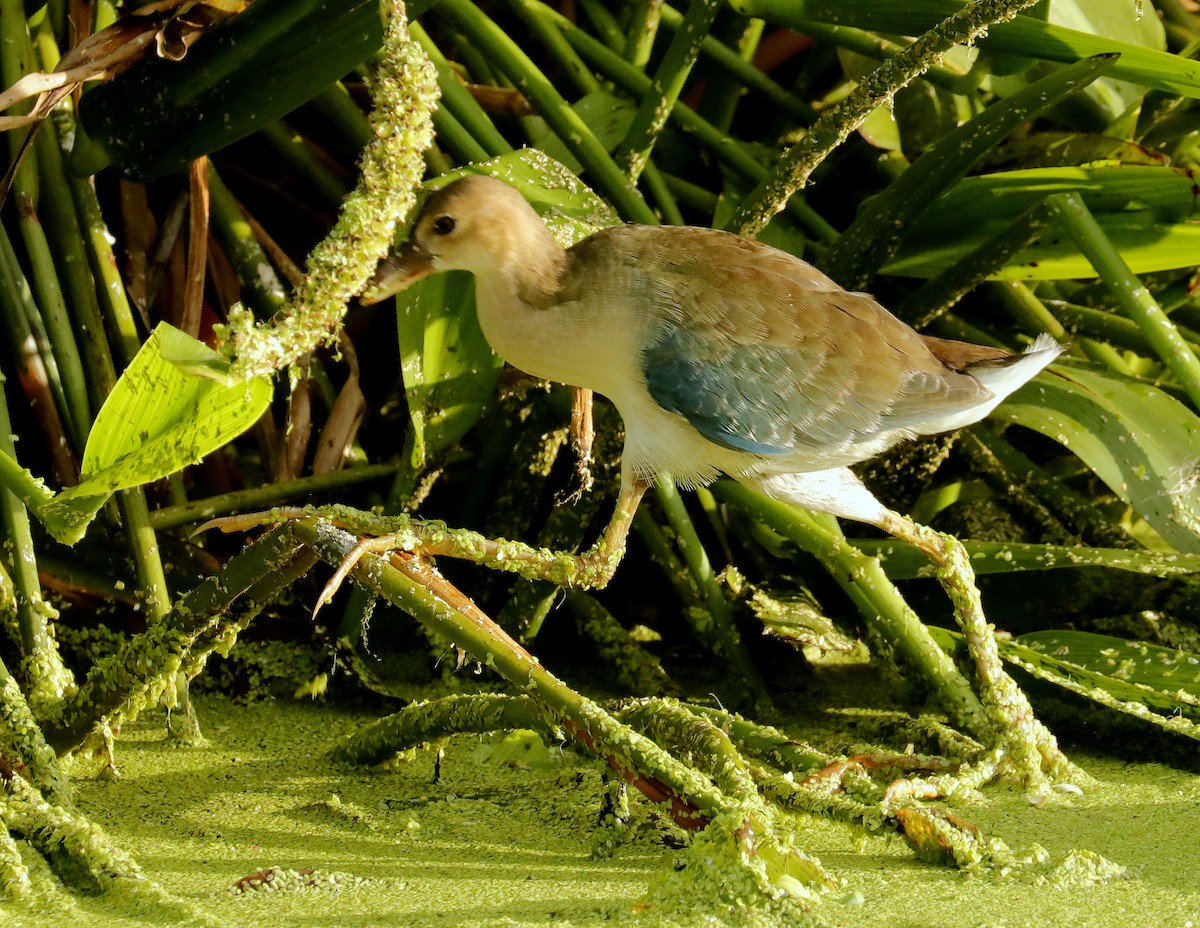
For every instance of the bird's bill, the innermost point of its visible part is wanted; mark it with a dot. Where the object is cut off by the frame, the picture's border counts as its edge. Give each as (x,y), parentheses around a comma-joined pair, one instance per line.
(396,272)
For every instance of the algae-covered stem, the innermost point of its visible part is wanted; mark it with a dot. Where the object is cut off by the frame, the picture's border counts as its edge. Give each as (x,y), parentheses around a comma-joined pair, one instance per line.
(420,592)
(878,87)
(404,93)
(133,676)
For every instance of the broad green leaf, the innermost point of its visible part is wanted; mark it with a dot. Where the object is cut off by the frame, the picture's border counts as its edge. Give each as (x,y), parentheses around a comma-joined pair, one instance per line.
(606,114)
(449,370)
(884,220)
(1103,102)
(1149,212)
(1142,443)
(1023,36)
(568,207)
(1152,683)
(1165,670)
(1157,685)
(171,407)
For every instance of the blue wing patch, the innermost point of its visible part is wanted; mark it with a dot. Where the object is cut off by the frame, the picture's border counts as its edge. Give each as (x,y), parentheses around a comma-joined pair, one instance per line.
(726,391)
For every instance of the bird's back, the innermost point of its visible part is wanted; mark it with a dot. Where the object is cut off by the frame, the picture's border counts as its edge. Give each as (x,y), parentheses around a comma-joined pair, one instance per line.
(763,353)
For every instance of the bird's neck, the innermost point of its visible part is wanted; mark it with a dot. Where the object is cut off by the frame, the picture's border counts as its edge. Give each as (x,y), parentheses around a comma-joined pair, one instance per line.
(534,319)
(532,275)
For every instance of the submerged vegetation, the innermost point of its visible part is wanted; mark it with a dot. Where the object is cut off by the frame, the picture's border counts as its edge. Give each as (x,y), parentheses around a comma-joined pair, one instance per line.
(189,228)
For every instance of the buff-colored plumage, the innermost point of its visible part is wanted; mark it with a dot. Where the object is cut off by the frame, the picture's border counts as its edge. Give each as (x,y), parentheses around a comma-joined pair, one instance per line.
(722,355)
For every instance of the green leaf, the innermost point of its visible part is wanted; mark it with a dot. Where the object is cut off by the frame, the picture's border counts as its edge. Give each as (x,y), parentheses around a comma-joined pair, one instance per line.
(1142,443)
(1103,102)
(1149,212)
(171,407)
(902,562)
(1133,662)
(1023,36)
(568,207)
(449,370)
(607,115)
(1154,684)
(884,220)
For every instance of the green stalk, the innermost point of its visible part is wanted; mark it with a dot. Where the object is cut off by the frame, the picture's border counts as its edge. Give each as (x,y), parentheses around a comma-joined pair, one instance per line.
(643,28)
(896,629)
(870,45)
(1131,295)
(341,114)
(938,294)
(486,642)
(47,678)
(148,662)
(32,360)
(261,286)
(63,243)
(63,368)
(606,26)
(452,135)
(1175,12)
(287,148)
(63,365)
(21,741)
(1104,326)
(673,71)
(722,91)
(122,329)
(422,722)
(796,166)
(636,669)
(32,493)
(118,320)
(532,14)
(1005,468)
(722,636)
(566,123)
(457,100)
(1026,309)
(663,553)
(745,73)
(1024,36)
(573,68)
(71,250)
(729,152)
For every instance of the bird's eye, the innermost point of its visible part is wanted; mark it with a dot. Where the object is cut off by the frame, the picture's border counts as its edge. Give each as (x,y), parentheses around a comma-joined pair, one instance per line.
(443,225)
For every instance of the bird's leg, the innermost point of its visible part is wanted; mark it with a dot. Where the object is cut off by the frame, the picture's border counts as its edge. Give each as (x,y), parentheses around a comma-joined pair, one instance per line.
(582,433)
(592,569)
(1023,743)
(381,534)
(598,564)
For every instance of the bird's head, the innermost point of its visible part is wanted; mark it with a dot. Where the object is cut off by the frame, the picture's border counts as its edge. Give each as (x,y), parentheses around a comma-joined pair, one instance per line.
(478,224)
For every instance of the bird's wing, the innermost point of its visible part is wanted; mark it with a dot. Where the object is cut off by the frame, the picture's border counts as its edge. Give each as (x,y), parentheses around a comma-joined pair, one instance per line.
(761,352)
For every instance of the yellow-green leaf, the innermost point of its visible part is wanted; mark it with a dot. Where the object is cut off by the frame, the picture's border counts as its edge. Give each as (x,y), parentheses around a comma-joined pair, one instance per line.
(173,405)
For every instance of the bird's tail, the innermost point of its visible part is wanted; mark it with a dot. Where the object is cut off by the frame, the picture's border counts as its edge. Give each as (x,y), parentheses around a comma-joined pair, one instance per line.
(1003,377)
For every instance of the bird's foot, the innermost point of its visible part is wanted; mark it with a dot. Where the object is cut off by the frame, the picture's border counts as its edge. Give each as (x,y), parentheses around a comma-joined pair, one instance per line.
(1025,750)
(382,544)
(595,567)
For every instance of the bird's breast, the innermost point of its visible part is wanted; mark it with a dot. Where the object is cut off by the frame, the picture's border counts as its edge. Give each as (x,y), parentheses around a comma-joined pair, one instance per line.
(575,343)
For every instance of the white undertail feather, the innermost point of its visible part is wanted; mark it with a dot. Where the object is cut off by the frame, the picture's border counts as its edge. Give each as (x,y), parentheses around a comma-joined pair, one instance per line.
(1001,380)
